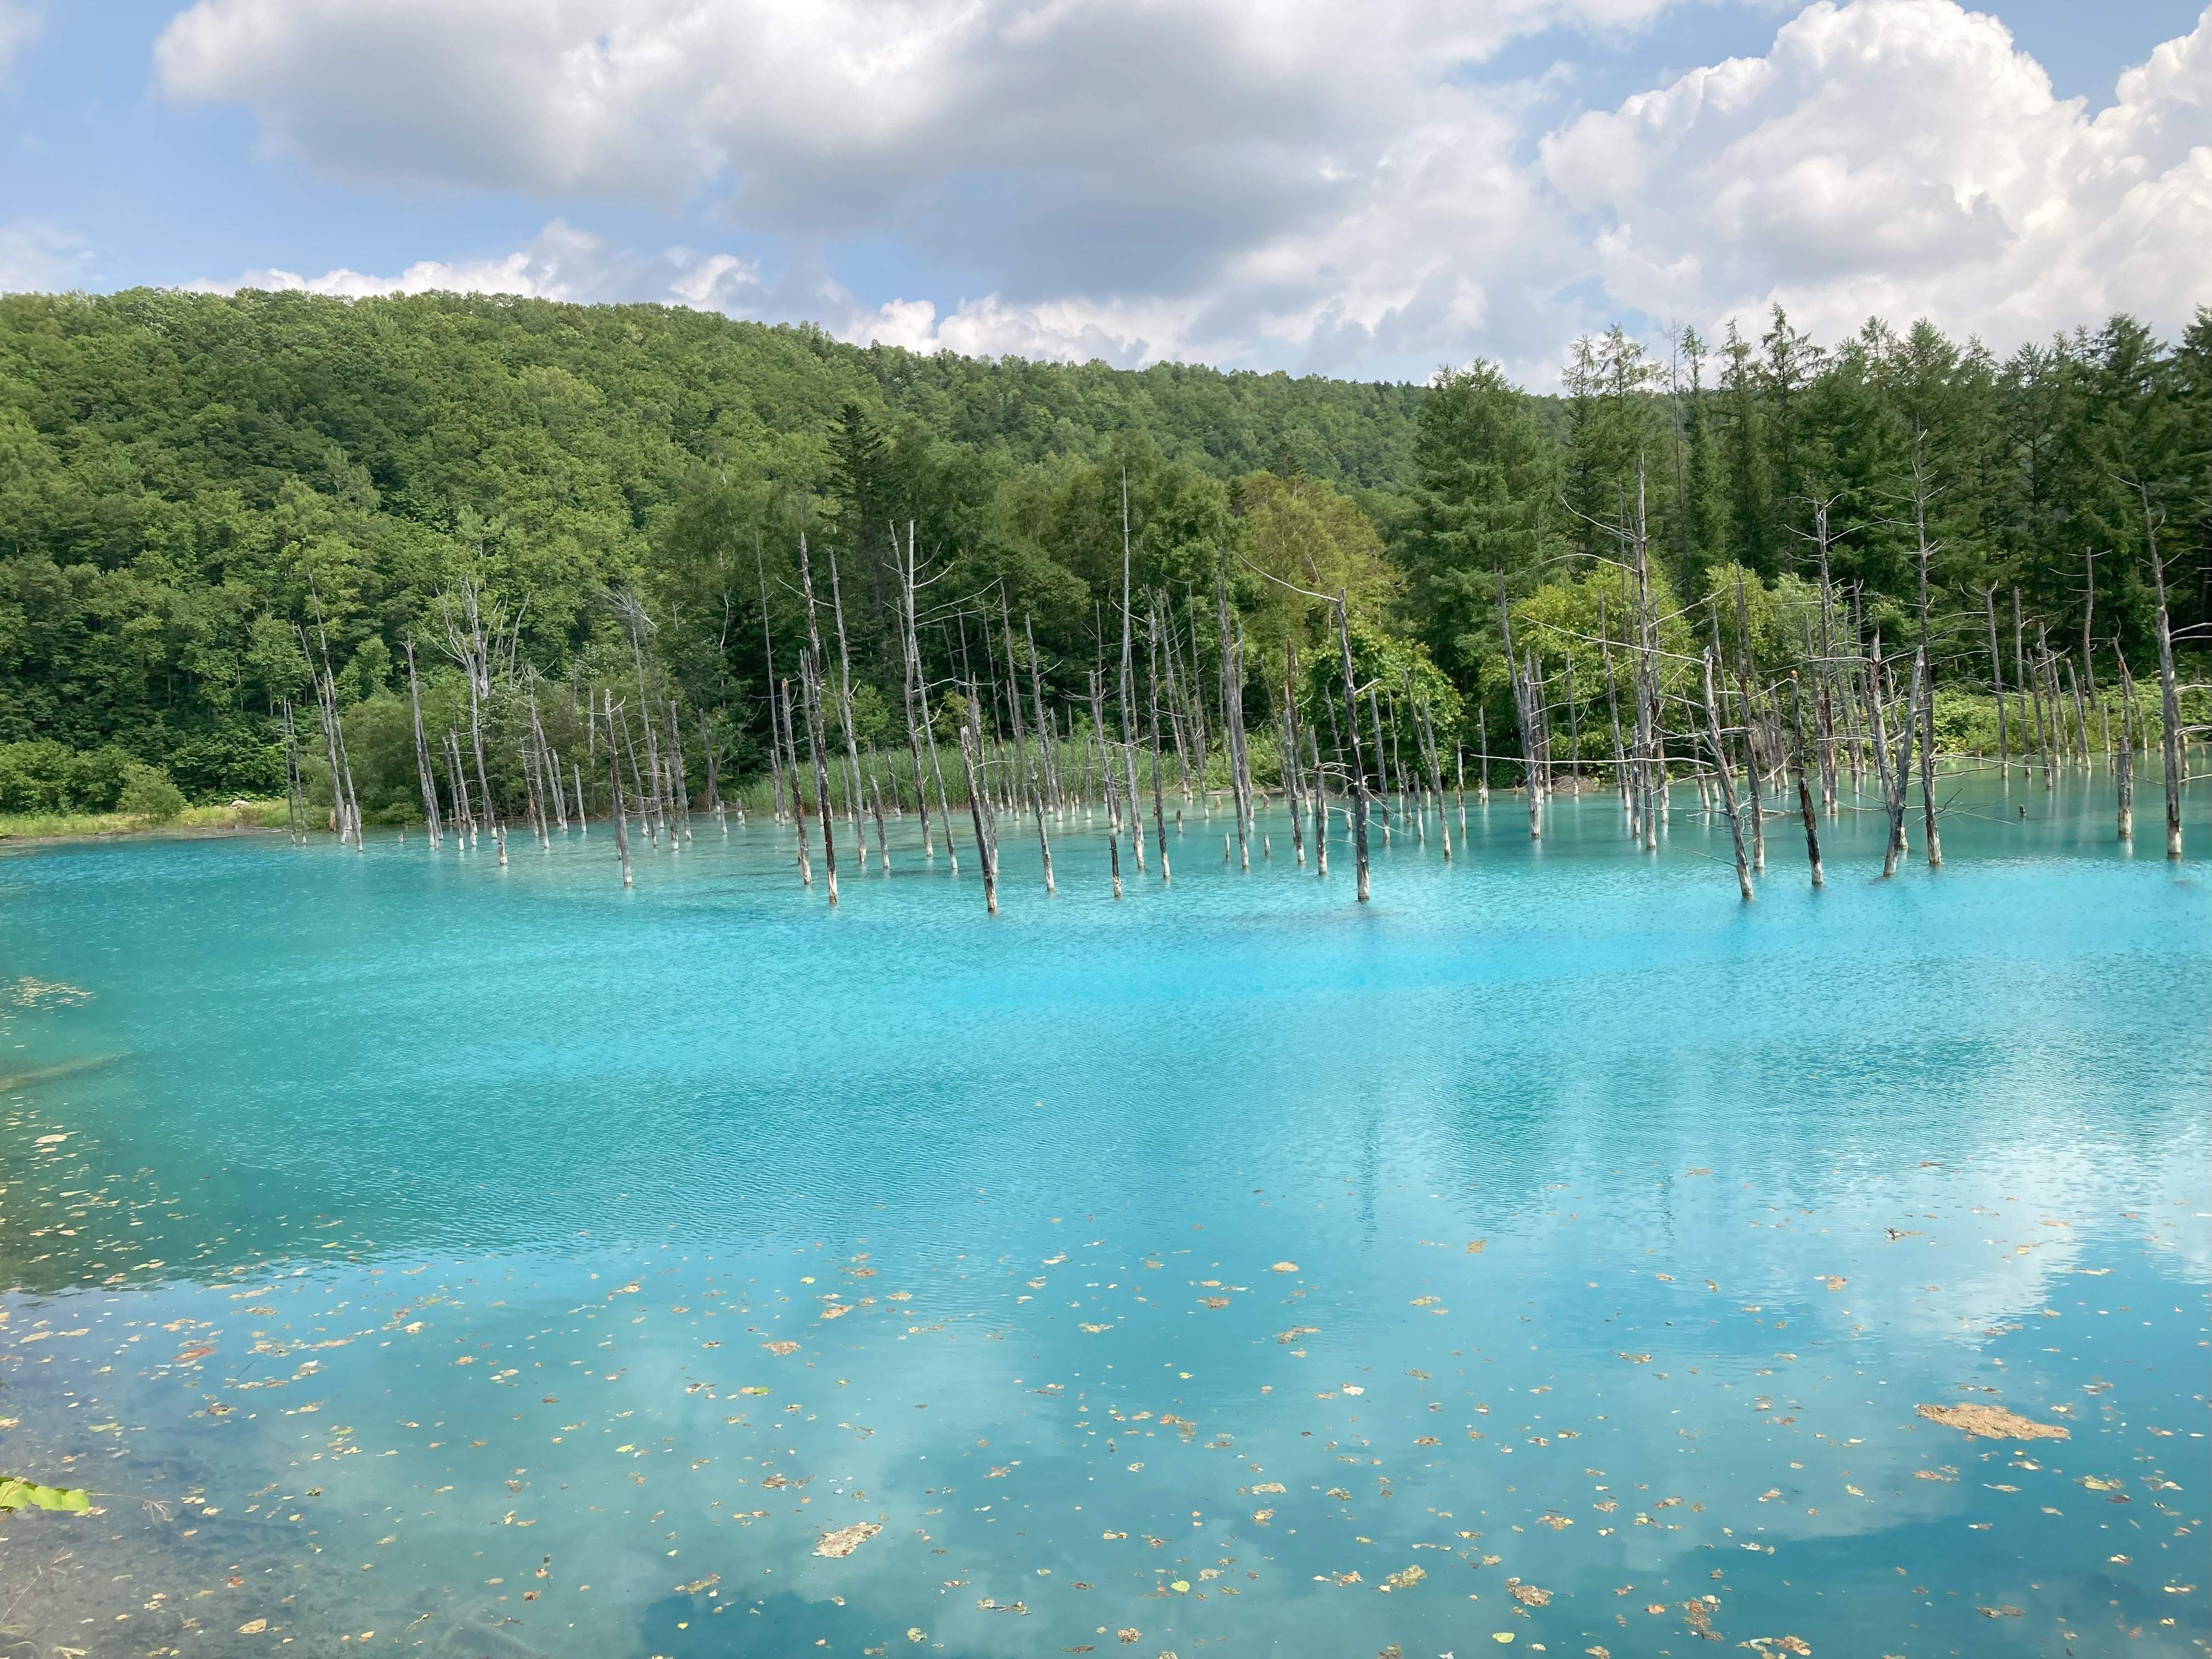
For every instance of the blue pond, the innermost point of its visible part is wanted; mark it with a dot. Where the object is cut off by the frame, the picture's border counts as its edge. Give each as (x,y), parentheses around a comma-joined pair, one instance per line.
(412,1253)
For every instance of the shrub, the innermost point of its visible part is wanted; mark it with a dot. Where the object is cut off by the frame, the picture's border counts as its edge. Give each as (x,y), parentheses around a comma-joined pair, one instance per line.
(94,779)
(148,793)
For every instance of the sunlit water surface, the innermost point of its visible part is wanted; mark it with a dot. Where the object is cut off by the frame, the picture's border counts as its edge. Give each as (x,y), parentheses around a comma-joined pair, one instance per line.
(412,1252)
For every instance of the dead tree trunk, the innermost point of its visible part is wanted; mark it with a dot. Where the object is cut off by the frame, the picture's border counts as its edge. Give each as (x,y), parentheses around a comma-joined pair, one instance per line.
(1727,783)
(768,647)
(1358,766)
(1232,701)
(883,839)
(1924,675)
(2124,781)
(1152,688)
(1804,793)
(295,793)
(1044,841)
(1612,716)
(421,751)
(465,818)
(2169,697)
(1996,682)
(856,805)
(797,795)
(975,812)
(679,780)
(1290,742)
(1128,725)
(1319,806)
(1047,731)
(817,753)
(713,771)
(1428,734)
(614,797)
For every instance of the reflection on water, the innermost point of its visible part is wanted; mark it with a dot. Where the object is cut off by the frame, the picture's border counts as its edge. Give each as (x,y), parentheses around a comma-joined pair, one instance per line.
(422,1255)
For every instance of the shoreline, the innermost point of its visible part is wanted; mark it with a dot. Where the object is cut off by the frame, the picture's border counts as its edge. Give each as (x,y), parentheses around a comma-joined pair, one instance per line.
(9,843)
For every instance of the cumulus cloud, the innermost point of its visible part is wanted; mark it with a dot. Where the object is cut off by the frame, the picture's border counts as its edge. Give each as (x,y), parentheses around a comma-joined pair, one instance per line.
(1308,185)
(578,267)
(1259,179)
(1901,157)
(38,256)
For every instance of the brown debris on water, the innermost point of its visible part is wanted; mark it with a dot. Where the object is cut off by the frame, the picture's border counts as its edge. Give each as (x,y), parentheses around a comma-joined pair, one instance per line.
(1528,1594)
(845,1539)
(1993,1423)
(1697,1612)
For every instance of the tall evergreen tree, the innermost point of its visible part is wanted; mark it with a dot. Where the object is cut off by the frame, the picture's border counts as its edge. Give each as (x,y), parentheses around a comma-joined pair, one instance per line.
(1481,508)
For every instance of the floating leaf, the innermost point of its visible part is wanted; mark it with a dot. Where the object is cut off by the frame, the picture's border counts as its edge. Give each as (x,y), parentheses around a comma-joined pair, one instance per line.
(18,1494)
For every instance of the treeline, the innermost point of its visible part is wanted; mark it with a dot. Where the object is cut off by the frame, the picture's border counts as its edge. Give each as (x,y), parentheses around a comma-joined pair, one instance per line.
(199,495)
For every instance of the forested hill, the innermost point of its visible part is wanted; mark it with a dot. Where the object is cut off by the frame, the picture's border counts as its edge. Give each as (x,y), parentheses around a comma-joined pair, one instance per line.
(187,479)
(174,468)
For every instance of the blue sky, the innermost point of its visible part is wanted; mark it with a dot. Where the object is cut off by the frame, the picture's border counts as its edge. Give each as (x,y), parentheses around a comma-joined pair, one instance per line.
(1366,197)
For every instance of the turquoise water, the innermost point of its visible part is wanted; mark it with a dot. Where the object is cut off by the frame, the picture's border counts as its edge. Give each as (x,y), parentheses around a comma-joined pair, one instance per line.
(1556,1223)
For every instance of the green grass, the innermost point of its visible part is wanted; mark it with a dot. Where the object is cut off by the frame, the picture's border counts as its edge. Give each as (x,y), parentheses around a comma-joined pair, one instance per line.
(245,814)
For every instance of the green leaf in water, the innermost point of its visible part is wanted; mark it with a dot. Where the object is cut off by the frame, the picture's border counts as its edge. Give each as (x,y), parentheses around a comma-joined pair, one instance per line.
(18,1494)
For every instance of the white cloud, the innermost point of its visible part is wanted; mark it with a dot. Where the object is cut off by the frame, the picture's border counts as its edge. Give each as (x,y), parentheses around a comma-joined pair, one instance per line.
(37,256)
(19,25)
(1308,180)
(565,264)
(1306,185)
(1899,157)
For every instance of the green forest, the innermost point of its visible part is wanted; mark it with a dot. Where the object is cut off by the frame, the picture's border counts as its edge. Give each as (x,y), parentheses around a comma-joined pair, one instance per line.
(205,501)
